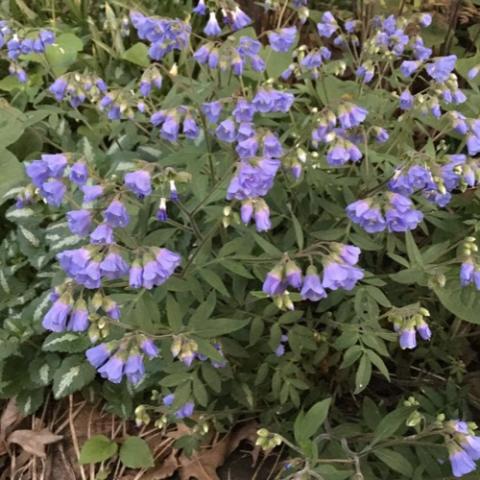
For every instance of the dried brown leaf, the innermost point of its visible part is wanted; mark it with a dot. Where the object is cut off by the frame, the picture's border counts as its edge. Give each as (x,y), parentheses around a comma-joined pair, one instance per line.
(33,442)
(165,470)
(11,416)
(203,465)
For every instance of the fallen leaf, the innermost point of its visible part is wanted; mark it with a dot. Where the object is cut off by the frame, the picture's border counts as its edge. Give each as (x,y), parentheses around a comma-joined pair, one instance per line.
(165,470)
(11,415)
(33,442)
(203,465)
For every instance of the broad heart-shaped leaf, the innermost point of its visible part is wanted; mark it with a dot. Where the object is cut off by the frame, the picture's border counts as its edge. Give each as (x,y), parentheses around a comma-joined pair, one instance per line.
(11,125)
(135,453)
(63,52)
(137,54)
(74,373)
(308,424)
(464,302)
(11,172)
(97,449)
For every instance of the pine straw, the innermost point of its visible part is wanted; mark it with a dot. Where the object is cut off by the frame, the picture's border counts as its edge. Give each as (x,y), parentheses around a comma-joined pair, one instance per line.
(47,446)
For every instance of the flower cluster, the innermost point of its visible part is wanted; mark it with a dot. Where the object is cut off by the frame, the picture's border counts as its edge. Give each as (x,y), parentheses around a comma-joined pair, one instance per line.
(463,447)
(19,44)
(164,34)
(339,272)
(78,88)
(114,359)
(407,322)
(233,17)
(186,349)
(229,56)
(336,130)
(170,122)
(185,411)
(392,211)
(103,210)
(437,182)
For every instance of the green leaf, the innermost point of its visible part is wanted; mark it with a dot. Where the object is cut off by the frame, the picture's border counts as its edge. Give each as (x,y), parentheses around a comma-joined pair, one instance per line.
(29,401)
(363,375)
(267,246)
(395,461)
(174,314)
(97,449)
(66,342)
(203,312)
(73,374)
(464,302)
(200,392)
(216,327)
(63,52)
(137,54)
(211,377)
(298,231)
(12,172)
(135,453)
(277,62)
(390,424)
(313,419)
(214,280)
(413,252)
(379,363)
(12,125)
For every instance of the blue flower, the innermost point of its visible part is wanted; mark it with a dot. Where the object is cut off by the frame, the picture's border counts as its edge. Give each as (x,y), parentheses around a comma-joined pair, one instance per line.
(201,8)
(406,100)
(98,355)
(240,19)
(79,173)
(226,131)
(400,215)
(149,348)
(113,369)
(341,275)
(328,26)
(274,283)
(244,111)
(134,368)
(58,89)
(293,274)
(185,411)
(312,288)
(367,216)
(212,29)
(441,68)
(116,215)
(461,462)
(79,317)
(53,191)
(212,111)
(139,182)
(103,234)
(283,39)
(79,222)
(38,172)
(262,216)
(91,192)
(408,338)
(55,319)
(113,266)
(408,67)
